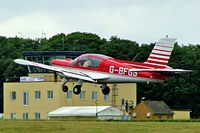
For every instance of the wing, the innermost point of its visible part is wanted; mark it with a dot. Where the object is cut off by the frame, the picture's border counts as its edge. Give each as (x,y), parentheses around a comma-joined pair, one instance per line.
(161,70)
(76,74)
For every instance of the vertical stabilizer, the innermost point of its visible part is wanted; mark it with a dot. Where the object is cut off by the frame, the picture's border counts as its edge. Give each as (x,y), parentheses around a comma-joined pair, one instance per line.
(161,52)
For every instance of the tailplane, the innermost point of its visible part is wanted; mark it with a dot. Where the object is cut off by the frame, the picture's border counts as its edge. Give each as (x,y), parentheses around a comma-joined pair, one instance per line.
(161,52)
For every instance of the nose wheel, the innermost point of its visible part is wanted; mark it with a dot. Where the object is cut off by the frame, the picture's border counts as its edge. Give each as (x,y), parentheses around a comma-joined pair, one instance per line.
(64,88)
(77,89)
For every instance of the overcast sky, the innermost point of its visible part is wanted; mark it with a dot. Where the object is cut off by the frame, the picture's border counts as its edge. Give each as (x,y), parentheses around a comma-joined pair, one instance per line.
(143,21)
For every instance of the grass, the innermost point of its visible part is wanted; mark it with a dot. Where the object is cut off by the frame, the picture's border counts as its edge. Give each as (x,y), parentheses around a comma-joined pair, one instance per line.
(8,126)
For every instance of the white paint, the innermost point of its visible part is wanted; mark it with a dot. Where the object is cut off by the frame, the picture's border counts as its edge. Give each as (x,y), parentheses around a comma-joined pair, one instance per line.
(161,52)
(103,112)
(163,48)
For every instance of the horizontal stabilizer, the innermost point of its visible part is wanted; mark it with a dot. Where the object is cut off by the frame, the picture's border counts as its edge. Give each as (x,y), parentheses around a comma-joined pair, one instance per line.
(161,70)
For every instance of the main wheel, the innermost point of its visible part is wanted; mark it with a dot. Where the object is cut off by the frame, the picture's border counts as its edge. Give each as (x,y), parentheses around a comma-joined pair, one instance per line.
(77,89)
(106,90)
(64,88)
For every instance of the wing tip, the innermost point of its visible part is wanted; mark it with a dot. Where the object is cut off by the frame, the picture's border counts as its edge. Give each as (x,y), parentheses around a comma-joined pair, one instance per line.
(21,61)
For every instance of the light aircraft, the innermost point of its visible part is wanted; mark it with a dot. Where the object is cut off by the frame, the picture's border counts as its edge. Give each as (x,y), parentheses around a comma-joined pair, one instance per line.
(102,69)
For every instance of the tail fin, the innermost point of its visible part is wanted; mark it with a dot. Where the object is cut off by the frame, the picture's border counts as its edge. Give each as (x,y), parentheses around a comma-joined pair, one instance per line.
(161,52)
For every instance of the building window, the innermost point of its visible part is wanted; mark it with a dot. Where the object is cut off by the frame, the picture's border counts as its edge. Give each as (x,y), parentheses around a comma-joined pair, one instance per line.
(37,116)
(25,116)
(37,94)
(94,95)
(13,95)
(148,114)
(106,97)
(134,114)
(13,116)
(25,98)
(50,94)
(69,94)
(82,95)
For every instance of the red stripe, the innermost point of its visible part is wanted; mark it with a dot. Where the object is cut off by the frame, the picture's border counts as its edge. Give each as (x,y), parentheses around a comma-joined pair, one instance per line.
(158,58)
(162,50)
(156,62)
(163,46)
(161,54)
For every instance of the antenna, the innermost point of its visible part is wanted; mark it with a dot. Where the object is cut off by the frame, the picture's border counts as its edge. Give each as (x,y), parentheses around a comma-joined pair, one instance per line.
(135,56)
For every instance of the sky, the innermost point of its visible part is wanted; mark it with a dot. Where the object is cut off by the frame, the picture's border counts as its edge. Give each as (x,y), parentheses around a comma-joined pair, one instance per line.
(143,21)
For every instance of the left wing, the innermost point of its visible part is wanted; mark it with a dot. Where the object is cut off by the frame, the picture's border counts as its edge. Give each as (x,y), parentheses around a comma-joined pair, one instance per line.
(89,76)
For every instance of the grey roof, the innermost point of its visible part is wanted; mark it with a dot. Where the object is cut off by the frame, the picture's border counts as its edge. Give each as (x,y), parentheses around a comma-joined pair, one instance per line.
(159,107)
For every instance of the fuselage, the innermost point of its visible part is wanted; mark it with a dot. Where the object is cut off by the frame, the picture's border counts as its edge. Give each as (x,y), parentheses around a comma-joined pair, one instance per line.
(118,70)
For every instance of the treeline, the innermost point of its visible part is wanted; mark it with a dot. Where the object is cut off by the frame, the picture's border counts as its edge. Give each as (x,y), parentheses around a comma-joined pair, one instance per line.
(179,92)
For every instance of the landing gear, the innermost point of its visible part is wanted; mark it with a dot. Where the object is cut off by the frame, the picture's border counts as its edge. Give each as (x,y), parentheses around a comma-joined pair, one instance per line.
(64,88)
(105,89)
(77,89)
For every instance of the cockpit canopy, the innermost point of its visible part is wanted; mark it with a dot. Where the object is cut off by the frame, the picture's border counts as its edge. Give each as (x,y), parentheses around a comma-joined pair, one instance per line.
(89,60)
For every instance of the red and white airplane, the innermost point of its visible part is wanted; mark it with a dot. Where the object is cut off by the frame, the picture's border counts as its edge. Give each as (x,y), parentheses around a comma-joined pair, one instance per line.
(102,69)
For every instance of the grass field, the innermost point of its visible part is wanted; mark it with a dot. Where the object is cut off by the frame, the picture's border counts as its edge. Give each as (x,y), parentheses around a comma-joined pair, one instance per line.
(97,127)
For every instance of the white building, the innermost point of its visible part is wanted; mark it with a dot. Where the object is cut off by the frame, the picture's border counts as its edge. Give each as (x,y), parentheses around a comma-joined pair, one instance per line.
(102,112)
(1,116)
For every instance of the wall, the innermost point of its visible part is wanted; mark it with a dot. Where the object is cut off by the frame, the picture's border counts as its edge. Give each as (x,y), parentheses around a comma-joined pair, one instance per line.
(45,105)
(42,105)
(141,111)
(157,117)
(181,114)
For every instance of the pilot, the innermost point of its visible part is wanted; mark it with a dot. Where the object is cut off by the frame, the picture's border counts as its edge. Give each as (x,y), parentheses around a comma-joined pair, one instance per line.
(87,63)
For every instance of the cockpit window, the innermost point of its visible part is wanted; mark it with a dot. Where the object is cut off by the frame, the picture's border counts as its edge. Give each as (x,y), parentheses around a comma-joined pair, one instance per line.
(86,61)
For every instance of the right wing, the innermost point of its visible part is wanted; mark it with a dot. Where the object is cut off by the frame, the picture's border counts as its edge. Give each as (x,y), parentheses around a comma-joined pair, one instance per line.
(90,76)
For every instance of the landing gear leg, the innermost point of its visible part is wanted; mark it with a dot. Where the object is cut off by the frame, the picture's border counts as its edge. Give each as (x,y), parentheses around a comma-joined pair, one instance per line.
(64,87)
(105,89)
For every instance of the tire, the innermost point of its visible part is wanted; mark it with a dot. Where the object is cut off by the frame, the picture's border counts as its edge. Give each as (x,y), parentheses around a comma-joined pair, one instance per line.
(106,90)
(64,88)
(77,89)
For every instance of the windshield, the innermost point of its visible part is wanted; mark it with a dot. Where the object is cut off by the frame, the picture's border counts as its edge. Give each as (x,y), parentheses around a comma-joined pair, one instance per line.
(86,61)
